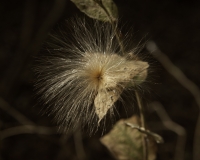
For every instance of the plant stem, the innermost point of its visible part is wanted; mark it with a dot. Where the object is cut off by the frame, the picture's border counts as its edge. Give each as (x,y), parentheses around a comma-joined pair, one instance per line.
(114,26)
(142,119)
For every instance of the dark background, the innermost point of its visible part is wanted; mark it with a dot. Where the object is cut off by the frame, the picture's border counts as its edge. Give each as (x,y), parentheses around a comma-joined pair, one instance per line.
(24,25)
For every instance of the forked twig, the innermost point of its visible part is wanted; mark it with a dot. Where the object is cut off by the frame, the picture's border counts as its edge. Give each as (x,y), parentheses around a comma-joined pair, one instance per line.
(179,130)
(185,82)
(144,137)
(14,113)
(155,136)
(27,129)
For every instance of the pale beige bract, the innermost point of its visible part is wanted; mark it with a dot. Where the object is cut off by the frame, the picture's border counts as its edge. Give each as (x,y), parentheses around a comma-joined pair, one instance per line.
(109,74)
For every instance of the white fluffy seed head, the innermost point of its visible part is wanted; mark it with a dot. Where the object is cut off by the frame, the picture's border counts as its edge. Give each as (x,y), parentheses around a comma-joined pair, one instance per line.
(86,74)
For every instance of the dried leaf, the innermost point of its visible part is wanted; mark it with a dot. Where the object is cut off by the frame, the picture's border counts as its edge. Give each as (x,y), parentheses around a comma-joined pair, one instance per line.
(104,100)
(92,9)
(125,143)
(126,74)
(132,72)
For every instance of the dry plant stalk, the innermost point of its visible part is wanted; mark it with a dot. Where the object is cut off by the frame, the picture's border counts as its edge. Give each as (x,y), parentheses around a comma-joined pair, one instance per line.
(142,119)
(185,82)
(169,124)
(86,73)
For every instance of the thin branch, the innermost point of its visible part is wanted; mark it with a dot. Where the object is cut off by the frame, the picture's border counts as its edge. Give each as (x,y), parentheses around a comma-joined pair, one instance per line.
(52,17)
(27,127)
(14,113)
(155,136)
(32,47)
(185,82)
(24,129)
(114,27)
(63,144)
(79,144)
(144,137)
(179,130)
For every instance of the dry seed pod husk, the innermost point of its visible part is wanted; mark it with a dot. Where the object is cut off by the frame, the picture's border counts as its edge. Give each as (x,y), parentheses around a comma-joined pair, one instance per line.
(85,73)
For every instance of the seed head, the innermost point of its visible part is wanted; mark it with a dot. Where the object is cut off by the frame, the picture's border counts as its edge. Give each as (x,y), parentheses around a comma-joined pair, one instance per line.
(86,74)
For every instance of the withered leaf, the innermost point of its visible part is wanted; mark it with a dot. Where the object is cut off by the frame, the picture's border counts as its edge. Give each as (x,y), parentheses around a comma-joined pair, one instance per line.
(125,143)
(132,73)
(92,9)
(104,100)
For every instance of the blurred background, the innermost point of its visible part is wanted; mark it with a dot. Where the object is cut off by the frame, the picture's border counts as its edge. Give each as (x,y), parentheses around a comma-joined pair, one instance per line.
(27,134)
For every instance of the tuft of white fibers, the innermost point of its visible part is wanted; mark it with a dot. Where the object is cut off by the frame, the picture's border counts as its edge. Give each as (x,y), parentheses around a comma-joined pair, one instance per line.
(86,73)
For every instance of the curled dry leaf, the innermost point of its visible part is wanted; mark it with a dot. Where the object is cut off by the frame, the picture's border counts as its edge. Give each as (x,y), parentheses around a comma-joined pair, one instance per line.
(105,100)
(125,143)
(92,9)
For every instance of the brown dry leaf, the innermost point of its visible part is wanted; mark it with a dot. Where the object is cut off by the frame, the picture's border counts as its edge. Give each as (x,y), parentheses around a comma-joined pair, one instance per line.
(132,73)
(126,74)
(125,143)
(104,100)
(94,10)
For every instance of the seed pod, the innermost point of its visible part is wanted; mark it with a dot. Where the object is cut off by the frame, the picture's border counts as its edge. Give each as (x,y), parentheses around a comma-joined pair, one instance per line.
(86,74)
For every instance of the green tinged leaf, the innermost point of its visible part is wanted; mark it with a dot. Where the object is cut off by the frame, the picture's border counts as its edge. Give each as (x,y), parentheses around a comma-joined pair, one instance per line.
(125,143)
(103,10)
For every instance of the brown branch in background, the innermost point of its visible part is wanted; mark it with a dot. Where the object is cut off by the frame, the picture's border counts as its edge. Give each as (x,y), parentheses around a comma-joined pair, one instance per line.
(24,129)
(27,29)
(142,119)
(63,145)
(169,124)
(14,113)
(27,127)
(31,46)
(8,81)
(185,82)
(79,145)
(51,19)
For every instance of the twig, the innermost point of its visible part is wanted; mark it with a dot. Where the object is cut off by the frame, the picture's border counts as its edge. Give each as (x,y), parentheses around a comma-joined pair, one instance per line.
(114,27)
(79,145)
(144,141)
(50,20)
(24,129)
(156,137)
(179,130)
(185,82)
(14,113)
(27,127)
(63,144)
